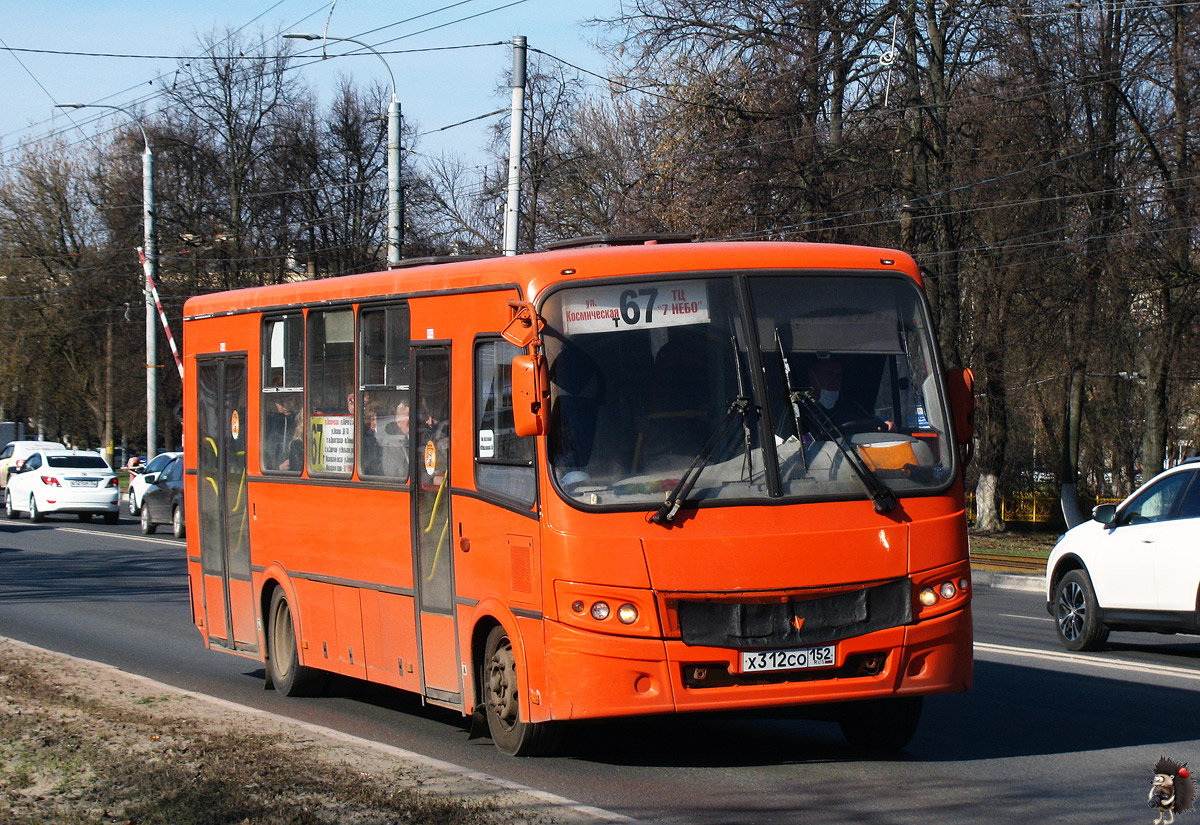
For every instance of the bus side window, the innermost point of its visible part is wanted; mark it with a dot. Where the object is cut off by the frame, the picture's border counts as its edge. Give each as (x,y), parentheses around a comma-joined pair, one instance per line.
(331,397)
(384,392)
(504,461)
(281,411)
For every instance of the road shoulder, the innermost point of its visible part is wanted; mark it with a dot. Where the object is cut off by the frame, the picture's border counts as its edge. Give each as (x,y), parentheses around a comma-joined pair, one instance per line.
(74,730)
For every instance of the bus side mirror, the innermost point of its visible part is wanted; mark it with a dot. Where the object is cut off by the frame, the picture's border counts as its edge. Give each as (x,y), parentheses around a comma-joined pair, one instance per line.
(524,326)
(530,390)
(961,384)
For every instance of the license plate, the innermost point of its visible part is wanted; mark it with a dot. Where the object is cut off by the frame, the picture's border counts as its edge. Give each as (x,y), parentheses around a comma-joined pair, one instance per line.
(760,661)
(85,483)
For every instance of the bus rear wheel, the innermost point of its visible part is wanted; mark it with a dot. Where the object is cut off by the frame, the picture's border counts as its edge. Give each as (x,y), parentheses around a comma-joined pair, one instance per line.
(501,692)
(283,656)
(881,725)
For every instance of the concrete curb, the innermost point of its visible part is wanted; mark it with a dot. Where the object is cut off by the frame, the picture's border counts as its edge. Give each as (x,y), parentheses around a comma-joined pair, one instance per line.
(1007,581)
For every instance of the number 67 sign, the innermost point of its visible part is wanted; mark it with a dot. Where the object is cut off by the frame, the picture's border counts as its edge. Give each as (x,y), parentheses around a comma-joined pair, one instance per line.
(633,306)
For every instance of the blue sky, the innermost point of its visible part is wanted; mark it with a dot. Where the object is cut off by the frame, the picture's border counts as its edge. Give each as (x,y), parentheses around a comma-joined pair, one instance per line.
(436,89)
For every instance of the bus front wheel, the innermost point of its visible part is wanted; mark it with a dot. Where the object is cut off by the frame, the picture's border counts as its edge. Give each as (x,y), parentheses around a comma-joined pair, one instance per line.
(881,725)
(500,694)
(283,657)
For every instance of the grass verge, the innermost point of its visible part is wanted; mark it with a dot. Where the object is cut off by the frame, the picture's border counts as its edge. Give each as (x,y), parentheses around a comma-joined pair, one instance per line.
(99,748)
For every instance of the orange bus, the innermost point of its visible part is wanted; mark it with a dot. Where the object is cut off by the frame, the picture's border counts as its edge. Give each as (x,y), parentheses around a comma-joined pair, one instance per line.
(620,476)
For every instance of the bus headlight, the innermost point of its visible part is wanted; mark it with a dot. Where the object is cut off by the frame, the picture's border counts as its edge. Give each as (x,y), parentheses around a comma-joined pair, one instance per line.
(941,591)
(592,607)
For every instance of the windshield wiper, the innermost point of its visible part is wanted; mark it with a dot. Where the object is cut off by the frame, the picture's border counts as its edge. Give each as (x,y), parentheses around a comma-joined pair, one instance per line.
(881,495)
(744,397)
(666,512)
(793,404)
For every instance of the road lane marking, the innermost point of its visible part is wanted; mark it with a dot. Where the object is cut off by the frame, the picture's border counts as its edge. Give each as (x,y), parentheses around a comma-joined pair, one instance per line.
(151,539)
(1091,661)
(1026,618)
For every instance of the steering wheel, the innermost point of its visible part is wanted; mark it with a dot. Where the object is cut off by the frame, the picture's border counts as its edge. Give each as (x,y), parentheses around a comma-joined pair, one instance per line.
(861,425)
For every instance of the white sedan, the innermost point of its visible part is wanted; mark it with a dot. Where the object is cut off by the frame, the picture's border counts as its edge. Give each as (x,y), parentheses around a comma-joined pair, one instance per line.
(64,481)
(1133,566)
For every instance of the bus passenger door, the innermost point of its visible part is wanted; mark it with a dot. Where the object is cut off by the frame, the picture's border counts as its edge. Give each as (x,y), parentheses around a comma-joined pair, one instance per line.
(221,498)
(433,557)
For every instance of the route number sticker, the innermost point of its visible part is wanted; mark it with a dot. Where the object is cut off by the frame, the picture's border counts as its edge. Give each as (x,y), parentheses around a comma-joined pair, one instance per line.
(635,306)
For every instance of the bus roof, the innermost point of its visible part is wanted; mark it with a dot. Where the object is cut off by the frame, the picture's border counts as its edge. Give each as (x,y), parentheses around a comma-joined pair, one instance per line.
(533,272)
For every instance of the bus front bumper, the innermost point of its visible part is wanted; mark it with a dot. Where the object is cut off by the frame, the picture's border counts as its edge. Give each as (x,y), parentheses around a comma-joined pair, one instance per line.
(596,676)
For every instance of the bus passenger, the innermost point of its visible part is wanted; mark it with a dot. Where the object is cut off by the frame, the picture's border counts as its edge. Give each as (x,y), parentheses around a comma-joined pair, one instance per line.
(294,461)
(394,443)
(277,431)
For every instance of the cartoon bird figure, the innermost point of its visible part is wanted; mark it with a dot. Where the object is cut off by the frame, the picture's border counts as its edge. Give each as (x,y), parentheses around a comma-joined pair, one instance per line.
(1172,790)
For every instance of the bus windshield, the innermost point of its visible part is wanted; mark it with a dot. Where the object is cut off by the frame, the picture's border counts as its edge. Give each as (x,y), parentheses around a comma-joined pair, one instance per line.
(797,385)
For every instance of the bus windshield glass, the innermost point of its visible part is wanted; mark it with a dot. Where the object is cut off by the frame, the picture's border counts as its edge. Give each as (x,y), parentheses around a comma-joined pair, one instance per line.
(650,378)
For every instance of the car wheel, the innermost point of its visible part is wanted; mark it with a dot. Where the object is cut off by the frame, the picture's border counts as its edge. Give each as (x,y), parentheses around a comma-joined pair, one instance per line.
(9,510)
(133,508)
(283,656)
(85,517)
(501,692)
(1076,614)
(34,514)
(112,518)
(177,525)
(148,526)
(881,725)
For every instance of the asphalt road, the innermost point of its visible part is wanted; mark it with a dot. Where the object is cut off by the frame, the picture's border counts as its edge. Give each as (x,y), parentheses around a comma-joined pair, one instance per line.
(1043,736)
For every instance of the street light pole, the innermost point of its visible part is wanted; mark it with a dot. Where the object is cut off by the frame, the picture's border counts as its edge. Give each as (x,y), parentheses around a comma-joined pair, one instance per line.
(512,212)
(395,219)
(149,267)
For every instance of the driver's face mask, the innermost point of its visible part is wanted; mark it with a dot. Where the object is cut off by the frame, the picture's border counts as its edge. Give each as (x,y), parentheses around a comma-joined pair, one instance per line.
(828,398)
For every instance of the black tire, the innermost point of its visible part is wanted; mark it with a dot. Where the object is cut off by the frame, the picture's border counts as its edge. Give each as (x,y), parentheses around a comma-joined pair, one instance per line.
(501,692)
(284,670)
(881,725)
(35,515)
(148,525)
(85,517)
(112,518)
(177,525)
(9,510)
(1077,614)
(133,508)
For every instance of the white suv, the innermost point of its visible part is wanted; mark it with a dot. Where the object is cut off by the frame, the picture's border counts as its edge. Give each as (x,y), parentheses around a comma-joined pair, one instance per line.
(1134,566)
(15,452)
(137,479)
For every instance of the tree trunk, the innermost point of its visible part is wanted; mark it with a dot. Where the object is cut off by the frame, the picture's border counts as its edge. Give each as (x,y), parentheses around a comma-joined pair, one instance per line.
(1069,472)
(1154,410)
(987,504)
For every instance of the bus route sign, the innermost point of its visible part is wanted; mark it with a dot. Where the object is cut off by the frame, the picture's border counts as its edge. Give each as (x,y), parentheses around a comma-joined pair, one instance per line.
(630,306)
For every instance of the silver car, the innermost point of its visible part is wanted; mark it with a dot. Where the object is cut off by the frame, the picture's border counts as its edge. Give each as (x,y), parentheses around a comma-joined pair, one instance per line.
(138,483)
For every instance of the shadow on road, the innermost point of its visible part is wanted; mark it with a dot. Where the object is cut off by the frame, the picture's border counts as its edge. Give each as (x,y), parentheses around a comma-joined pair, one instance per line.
(1013,711)
(158,572)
